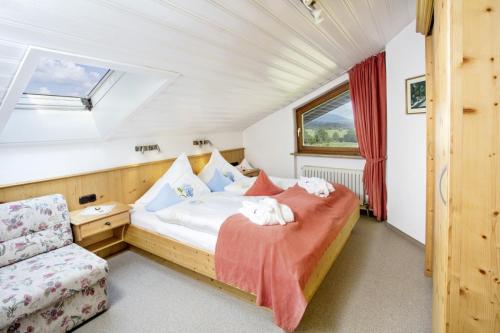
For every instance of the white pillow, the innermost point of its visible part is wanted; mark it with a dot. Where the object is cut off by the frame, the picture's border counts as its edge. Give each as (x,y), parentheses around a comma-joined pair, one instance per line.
(190,186)
(244,165)
(240,187)
(179,168)
(218,162)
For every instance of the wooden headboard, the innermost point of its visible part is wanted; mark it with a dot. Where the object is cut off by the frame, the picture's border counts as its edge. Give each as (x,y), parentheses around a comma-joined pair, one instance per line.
(124,184)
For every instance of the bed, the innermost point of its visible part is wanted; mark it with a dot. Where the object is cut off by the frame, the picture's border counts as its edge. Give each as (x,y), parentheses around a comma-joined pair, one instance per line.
(195,250)
(172,242)
(279,267)
(149,221)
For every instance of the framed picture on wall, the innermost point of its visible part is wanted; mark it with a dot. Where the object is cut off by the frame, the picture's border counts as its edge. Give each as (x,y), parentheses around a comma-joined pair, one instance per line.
(415,95)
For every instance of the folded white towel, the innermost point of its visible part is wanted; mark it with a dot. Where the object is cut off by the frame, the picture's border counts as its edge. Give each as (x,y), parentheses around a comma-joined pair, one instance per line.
(267,211)
(316,186)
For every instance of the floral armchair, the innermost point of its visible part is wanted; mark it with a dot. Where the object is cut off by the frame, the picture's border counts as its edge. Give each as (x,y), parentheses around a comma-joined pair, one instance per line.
(47,283)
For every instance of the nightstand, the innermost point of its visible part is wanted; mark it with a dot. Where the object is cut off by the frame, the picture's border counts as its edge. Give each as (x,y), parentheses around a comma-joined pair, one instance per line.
(251,172)
(101,234)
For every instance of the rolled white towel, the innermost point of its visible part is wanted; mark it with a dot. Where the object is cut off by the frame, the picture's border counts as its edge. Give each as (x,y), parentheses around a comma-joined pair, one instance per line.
(256,214)
(316,186)
(286,213)
(267,211)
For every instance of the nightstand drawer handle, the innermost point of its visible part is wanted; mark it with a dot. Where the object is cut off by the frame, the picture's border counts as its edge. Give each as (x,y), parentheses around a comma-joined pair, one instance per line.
(107,223)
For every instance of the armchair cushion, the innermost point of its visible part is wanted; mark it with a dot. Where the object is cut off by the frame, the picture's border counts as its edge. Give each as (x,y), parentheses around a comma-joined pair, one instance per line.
(46,279)
(33,226)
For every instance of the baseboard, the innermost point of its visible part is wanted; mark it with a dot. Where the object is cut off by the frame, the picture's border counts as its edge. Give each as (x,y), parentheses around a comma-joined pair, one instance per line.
(405,235)
(365,211)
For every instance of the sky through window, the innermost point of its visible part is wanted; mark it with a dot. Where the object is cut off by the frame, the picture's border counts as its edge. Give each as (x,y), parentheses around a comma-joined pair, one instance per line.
(54,77)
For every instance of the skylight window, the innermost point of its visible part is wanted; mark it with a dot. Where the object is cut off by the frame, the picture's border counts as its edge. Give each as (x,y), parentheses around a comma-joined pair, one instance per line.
(62,85)
(64,78)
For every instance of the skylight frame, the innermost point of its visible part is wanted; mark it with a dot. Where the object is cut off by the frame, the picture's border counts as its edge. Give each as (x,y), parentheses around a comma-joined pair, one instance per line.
(49,102)
(99,84)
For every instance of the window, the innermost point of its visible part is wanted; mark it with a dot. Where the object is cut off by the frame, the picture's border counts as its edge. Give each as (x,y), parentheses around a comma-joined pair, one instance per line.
(62,85)
(326,124)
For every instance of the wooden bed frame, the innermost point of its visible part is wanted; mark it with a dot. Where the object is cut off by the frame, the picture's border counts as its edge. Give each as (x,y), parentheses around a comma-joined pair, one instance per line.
(203,263)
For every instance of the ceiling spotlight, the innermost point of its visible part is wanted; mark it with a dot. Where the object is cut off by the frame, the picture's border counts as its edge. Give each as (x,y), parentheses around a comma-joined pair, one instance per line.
(315,12)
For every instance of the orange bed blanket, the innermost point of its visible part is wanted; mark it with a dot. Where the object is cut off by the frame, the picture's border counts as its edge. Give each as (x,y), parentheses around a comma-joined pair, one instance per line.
(275,262)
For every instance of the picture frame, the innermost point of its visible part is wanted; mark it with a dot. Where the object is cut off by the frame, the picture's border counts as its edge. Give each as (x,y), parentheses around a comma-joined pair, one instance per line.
(416,95)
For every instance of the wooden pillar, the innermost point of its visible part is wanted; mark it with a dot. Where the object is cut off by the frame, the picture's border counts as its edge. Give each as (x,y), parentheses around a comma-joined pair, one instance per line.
(430,175)
(466,111)
(475,177)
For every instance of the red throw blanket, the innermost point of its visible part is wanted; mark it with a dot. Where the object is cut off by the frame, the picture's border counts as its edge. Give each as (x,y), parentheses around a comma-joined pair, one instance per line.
(275,262)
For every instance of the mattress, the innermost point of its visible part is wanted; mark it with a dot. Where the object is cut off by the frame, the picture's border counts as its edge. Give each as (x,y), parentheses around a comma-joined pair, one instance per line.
(140,217)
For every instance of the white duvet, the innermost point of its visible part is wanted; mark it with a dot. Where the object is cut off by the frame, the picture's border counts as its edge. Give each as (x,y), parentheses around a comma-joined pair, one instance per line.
(205,213)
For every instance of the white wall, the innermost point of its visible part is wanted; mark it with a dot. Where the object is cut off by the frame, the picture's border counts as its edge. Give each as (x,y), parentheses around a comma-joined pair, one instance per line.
(20,163)
(406,141)
(270,141)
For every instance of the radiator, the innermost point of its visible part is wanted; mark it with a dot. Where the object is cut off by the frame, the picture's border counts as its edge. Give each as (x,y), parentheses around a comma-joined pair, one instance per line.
(351,178)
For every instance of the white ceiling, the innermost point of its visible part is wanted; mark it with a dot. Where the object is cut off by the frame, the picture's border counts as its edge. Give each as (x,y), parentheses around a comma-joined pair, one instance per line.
(238,60)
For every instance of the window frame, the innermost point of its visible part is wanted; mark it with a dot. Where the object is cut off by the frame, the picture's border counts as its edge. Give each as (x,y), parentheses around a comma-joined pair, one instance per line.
(299,130)
(40,102)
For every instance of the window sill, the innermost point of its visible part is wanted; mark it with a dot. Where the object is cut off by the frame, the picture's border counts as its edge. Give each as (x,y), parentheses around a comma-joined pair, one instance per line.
(354,157)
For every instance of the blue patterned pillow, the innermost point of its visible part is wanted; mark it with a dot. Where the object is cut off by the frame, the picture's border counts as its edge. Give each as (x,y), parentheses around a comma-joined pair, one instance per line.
(218,182)
(166,198)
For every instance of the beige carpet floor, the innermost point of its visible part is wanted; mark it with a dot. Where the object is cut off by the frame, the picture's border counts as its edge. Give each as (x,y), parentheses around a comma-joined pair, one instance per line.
(376,285)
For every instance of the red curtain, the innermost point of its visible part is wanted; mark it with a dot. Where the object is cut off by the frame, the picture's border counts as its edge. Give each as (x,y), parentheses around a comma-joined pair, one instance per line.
(369,100)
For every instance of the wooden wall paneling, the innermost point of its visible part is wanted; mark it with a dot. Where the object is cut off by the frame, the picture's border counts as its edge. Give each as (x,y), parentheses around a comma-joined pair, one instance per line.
(474,288)
(466,262)
(430,175)
(198,163)
(130,184)
(150,173)
(456,186)
(116,181)
(442,109)
(123,184)
(99,184)
(72,187)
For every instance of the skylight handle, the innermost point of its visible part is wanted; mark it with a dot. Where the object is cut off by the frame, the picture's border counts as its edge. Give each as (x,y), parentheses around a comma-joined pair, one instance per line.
(87,103)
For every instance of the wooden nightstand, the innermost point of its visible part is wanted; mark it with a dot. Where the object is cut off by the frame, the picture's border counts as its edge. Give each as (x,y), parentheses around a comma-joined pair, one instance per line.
(101,234)
(251,172)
